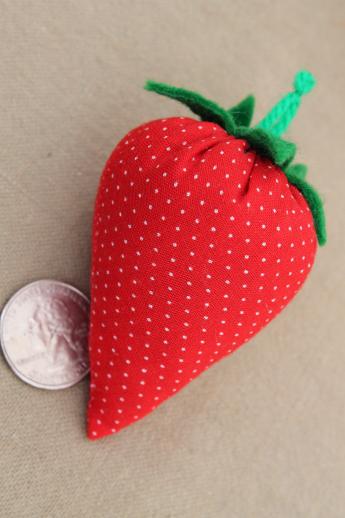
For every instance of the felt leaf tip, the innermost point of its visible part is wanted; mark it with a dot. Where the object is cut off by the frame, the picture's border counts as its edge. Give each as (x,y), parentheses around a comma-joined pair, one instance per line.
(242,112)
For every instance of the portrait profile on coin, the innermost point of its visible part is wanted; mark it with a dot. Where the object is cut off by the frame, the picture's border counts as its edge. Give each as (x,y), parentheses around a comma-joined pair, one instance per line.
(52,329)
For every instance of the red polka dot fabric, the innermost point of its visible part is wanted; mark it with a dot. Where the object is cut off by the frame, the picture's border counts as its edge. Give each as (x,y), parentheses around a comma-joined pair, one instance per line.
(198,243)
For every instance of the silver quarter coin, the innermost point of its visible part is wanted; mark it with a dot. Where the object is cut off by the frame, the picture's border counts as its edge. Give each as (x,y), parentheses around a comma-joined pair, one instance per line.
(44,334)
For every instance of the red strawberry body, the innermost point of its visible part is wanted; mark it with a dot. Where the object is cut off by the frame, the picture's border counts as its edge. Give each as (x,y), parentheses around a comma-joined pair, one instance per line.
(198,243)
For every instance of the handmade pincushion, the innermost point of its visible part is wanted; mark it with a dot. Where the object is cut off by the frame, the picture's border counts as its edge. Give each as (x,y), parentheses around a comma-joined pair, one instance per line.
(203,232)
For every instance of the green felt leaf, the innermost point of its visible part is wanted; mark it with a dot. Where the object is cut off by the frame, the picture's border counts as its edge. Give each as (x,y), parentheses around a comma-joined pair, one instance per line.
(299,170)
(315,204)
(205,108)
(242,112)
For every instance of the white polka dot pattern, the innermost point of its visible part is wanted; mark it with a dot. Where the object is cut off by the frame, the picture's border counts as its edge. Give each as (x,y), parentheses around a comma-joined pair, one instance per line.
(198,243)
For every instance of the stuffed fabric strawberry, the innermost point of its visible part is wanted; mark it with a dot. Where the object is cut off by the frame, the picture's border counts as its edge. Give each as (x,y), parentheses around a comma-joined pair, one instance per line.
(204,230)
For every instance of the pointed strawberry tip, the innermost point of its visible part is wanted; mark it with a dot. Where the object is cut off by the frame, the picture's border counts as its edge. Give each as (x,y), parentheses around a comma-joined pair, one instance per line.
(96,431)
(93,434)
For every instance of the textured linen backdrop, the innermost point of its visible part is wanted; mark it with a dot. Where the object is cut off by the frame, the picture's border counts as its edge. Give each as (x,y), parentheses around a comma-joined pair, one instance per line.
(260,434)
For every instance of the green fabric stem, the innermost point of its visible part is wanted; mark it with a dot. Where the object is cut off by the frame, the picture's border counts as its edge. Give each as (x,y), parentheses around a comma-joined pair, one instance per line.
(282,114)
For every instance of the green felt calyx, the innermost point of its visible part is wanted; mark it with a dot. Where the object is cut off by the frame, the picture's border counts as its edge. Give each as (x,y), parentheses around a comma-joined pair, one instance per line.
(235,121)
(265,138)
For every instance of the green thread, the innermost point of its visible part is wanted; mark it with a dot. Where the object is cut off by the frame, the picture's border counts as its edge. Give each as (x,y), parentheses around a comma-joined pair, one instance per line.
(264,137)
(282,114)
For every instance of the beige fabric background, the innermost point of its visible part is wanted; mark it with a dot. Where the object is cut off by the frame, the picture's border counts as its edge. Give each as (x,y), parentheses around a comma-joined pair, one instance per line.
(261,434)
